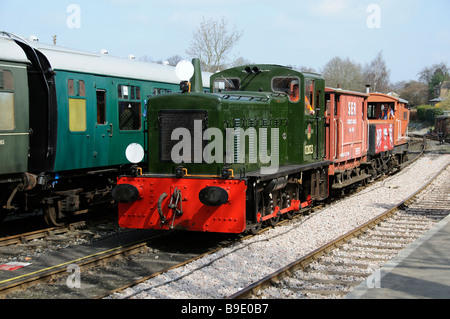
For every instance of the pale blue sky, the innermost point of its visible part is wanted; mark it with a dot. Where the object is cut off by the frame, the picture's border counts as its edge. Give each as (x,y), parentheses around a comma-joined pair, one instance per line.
(412,34)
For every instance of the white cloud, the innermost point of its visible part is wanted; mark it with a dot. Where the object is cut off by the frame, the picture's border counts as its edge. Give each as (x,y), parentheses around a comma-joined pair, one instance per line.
(329,7)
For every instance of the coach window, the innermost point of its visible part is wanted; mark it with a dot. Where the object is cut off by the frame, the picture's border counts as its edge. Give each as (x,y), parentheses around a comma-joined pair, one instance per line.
(71,87)
(158,91)
(309,97)
(129,107)
(77,105)
(76,88)
(101,107)
(7,120)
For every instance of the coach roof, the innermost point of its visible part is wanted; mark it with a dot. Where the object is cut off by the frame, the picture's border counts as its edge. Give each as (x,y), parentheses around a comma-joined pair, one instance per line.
(103,64)
(92,63)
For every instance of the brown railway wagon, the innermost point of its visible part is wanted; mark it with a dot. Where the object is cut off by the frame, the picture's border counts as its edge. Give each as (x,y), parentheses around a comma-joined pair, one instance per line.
(346,136)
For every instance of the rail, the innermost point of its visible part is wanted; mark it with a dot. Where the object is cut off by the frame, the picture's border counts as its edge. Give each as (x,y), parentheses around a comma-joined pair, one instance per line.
(302,262)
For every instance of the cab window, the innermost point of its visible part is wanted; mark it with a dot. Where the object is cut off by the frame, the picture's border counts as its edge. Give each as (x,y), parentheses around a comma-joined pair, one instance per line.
(226,85)
(309,97)
(288,85)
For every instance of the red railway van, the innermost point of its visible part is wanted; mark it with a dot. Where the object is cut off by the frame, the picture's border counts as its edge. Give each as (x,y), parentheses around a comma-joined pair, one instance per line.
(346,135)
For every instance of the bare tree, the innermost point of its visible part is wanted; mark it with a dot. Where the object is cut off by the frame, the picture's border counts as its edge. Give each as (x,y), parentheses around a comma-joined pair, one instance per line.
(145,58)
(302,68)
(173,60)
(344,73)
(415,92)
(377,74)
(212,42)
(240,61)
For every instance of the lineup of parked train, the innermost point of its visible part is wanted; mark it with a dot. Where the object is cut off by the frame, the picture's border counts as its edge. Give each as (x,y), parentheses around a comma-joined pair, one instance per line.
(66,118)
(266,142)
(225,152)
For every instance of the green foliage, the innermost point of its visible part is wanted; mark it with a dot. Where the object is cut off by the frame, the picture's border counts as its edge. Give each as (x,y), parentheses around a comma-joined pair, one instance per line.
(422,112)
(427,113)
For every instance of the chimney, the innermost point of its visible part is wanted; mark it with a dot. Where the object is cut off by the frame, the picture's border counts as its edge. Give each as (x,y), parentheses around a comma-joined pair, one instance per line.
(367,88)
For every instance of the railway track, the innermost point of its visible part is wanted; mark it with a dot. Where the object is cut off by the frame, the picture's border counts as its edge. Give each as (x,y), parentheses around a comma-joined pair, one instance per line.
(40,234)
(232,267)
(48,275)
(334,269)
(105,270)
(45,274)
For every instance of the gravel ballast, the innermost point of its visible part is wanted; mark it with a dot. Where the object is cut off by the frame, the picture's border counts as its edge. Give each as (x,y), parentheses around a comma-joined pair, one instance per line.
(222,274)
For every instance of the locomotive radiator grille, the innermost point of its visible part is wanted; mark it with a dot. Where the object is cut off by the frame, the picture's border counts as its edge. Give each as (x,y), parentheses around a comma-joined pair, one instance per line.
(169,121)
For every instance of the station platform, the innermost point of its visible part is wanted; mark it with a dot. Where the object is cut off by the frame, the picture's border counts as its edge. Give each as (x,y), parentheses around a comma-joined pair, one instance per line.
(421,271)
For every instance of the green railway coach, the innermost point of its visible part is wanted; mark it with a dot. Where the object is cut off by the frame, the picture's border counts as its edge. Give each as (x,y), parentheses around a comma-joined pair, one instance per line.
(14,133)
(102,105)
(67,117)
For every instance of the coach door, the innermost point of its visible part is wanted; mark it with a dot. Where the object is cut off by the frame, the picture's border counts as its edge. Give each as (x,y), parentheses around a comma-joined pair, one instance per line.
(102,127)
(126,119)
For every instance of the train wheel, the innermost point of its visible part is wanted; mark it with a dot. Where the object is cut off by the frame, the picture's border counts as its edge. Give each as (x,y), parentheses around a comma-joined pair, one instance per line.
(51,216)
(268,204)
(254,228)
(284,204)
(289,215)
(273,221)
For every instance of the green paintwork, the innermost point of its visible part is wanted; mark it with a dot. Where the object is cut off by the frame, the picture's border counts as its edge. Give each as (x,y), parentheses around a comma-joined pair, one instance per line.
(255,105)
(100,145)
(14,142)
